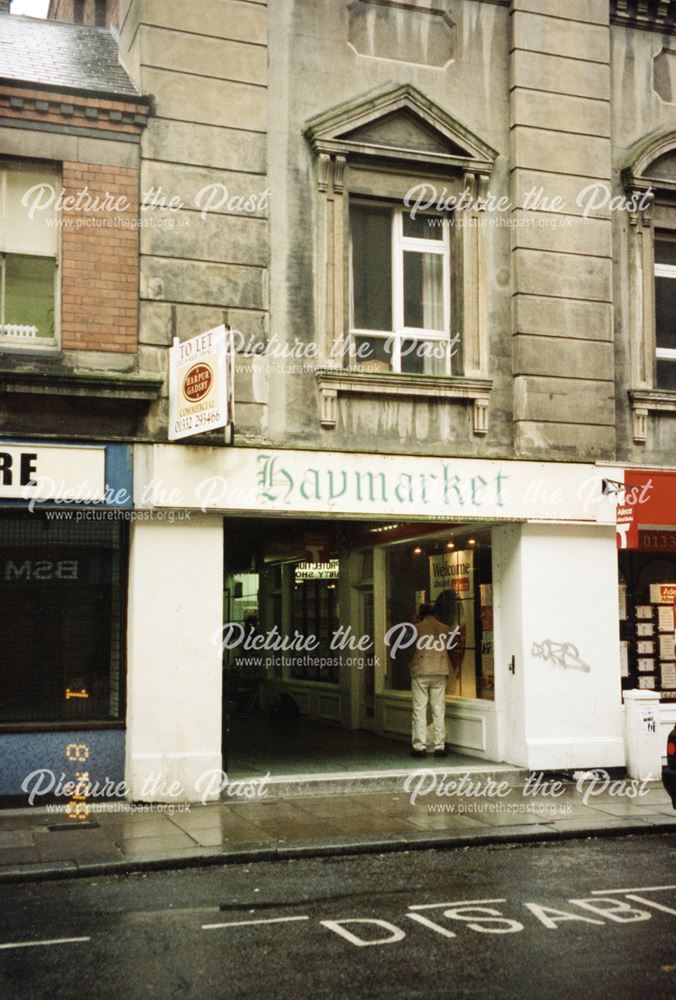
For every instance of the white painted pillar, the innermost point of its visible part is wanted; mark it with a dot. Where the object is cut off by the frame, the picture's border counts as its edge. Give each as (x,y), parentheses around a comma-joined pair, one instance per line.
(173,663)
(555,588)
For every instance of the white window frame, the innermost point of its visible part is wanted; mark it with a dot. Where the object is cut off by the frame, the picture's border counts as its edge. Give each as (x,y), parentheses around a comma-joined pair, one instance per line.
(664,353)
(402,244)
(26,340)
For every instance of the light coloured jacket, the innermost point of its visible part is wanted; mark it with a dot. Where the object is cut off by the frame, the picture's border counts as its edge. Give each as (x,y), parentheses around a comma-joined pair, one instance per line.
(432,658)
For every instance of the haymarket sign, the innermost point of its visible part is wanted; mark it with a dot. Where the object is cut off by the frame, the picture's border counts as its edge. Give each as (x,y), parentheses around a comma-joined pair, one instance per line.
(364,485)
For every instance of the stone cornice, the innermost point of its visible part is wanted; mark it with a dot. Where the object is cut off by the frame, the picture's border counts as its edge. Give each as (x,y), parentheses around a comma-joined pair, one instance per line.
(648,15)
(645,401)
(110,385)
(73,109)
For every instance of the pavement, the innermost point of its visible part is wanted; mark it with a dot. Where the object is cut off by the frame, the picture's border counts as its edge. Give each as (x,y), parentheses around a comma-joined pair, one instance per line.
(117,837)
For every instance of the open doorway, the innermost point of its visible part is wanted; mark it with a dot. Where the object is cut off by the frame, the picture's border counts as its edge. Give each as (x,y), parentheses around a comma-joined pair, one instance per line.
(310,685)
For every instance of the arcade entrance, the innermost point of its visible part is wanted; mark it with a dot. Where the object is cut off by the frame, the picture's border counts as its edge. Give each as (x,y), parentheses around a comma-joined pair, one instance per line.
(318,636)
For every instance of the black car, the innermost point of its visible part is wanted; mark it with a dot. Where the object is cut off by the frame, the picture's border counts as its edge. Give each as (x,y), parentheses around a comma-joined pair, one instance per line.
(669,772)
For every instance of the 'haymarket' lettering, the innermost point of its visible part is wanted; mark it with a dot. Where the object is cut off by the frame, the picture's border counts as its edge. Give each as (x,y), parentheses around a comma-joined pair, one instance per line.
(397,487)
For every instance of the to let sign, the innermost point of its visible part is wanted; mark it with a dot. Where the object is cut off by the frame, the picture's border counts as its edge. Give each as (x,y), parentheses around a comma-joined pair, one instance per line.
(198,389)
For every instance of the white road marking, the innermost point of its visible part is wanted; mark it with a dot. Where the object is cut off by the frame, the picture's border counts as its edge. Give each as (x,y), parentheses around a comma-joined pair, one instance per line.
(639,888)
(431,924)
(252,923)
(37,944)
(544,915)
(462,902)
(620,911)
(396,933)
(649,902)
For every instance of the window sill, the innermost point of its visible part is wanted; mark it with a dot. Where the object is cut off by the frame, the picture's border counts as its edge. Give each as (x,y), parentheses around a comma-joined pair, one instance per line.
(333,381)
(645,401)
(28,345)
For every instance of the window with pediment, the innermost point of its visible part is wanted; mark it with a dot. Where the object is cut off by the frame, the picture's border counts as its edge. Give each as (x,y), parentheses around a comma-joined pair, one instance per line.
(650,180)
(400,254)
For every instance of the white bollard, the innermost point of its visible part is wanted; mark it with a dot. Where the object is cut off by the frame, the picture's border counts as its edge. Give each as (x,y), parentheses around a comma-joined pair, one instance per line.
(642,734)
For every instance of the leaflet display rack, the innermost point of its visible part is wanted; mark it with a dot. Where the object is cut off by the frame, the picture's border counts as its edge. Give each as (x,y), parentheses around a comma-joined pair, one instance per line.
(647,648)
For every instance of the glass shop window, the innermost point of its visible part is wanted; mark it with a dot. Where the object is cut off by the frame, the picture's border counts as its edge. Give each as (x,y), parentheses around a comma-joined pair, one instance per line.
(62,620)
(455,577)
(647,599)
(316,612)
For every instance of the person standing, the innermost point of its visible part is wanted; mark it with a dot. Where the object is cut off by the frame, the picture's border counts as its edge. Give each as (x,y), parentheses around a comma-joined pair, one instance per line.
(429,672)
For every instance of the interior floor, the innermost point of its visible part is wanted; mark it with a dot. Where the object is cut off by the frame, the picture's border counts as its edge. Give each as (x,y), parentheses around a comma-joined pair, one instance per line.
(258,743)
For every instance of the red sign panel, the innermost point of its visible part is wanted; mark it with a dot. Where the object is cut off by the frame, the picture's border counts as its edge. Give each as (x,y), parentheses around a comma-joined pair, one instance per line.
(649,501)
(197,382)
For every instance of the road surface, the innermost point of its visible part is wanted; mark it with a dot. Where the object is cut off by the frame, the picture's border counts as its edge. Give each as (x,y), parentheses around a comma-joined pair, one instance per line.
(585,918)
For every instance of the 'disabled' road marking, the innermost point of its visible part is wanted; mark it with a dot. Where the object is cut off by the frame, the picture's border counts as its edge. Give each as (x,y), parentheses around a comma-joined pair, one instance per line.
(252,923)
(38,944)
(651,903)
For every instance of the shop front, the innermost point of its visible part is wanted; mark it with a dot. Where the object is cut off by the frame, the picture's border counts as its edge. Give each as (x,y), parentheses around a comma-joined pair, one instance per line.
(63,557)
(646,538)
(290,591)
(320,626)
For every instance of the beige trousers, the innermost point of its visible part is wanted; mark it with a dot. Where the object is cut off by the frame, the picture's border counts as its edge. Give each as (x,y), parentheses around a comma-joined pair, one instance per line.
(432,688)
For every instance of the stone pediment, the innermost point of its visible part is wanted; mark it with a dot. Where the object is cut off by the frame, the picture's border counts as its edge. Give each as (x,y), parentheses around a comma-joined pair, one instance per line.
(402,130)
(400,124)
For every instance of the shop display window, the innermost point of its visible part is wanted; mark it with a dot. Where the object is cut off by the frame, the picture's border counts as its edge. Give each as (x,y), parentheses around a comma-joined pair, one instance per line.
(316,612)
(62,606)
(455,577)
(647,600)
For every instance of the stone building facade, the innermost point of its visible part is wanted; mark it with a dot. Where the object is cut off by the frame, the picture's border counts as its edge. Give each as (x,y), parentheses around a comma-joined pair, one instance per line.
(442,233)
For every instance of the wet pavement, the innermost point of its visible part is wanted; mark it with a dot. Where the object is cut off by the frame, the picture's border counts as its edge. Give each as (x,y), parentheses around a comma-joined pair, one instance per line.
(37,843)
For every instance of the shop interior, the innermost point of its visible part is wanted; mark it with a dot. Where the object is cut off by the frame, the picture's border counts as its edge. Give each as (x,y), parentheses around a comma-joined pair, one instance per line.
(62,620)
(318,632)
(647,598)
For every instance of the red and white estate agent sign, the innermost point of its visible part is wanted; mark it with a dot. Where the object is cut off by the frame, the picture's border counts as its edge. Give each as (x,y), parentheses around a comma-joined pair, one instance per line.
(198,384)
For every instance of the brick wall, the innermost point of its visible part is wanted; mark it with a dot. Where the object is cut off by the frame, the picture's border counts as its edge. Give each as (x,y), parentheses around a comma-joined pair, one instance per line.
(99,257)
(72,110)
